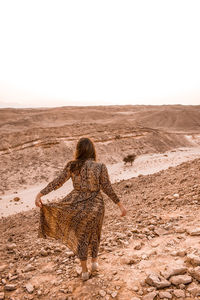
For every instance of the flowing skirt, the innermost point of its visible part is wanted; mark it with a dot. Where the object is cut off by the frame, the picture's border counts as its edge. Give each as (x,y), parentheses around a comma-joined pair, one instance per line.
(76,221)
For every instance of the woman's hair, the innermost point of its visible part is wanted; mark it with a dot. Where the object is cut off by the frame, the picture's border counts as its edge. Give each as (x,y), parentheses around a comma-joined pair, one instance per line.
(84,150)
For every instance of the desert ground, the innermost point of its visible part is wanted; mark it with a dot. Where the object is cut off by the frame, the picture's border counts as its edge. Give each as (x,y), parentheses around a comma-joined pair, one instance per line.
(153,252)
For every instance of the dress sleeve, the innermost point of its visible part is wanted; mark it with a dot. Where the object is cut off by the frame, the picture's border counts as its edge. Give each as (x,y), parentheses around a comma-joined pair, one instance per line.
(58,181)
(106,185)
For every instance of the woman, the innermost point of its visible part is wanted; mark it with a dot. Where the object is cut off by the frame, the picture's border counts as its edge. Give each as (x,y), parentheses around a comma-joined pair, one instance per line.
(77,219)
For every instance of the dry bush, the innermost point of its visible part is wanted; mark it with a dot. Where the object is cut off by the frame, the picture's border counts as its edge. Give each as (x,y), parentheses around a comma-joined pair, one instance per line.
(129,159)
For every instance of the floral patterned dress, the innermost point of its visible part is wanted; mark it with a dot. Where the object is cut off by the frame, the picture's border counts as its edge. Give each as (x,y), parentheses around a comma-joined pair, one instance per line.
(77,219)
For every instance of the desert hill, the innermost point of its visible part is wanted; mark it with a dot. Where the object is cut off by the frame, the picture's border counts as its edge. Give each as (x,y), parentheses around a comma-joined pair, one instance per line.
(152,253)
(185,119)
(35,143)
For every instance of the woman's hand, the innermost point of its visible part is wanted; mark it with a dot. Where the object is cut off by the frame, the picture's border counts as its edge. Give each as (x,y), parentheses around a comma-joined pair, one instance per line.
(38,201)
(122,209)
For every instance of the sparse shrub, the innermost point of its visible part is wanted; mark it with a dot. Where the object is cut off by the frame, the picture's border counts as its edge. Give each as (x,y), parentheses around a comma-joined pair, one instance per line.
(129,159)
(117,137)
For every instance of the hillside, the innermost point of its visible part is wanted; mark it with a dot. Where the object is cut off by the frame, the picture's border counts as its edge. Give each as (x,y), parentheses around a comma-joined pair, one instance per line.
(160,235)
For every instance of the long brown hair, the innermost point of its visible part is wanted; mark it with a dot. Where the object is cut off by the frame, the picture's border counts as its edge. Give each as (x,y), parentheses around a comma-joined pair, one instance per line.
(84,150)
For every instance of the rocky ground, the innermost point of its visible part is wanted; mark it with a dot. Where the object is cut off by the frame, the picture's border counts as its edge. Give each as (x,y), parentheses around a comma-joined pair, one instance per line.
(152,253)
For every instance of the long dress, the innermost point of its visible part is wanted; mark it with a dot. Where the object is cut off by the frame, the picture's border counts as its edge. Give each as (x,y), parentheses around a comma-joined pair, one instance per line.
(77,219)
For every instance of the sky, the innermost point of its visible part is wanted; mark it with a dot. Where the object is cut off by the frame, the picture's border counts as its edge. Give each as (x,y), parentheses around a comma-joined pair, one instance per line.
(55,53)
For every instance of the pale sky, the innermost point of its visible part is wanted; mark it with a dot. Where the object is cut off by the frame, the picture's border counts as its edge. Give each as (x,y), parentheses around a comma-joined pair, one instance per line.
(99,52)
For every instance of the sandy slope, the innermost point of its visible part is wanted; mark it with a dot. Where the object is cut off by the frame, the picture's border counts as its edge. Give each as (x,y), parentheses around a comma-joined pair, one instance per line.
(143,165)
(160,231)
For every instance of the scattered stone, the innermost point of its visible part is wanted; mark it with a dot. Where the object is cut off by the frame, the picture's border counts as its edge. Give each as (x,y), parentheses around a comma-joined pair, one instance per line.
(194,231)
(194,289)
(179,293)
(16,199)
(193,259)
(155,244)
(165,294)
(10,287)
(181,253)
(39,292)
(171,271)
(150,296)
(102,293)
(180,279)
(135,289)
(138,246)
(3,268)
(29,287)
(29,268)
(157,281)
(182,286)
(195,273)
(43,252)
(114,294)
(11,246)
(2,295)
(176,196)
(78,270)
(69,254)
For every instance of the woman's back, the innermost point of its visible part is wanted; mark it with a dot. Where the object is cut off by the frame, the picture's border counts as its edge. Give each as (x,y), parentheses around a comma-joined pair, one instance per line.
(88,178)
(91,177)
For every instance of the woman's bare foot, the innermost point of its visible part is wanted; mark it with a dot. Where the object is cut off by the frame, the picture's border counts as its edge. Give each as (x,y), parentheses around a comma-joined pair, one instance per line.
(95,266)
(85,276)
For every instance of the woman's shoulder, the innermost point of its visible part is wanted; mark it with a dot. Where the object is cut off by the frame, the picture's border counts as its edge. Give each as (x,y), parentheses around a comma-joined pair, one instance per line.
(97,164)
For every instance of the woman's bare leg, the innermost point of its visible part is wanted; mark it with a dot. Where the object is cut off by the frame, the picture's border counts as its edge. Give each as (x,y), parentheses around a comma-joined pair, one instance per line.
(84,266)
(94,259)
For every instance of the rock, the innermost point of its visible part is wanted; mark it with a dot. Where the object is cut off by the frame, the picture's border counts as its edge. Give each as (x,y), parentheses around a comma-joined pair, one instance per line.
(43,252)
(194,231)
(29,268)
(10,287)
(102,293)
(176,196)
(138,246)
(135,288)
(11,246)
(114,294)
(195,273)
(179,293)
(150,296)
(181,253)
(193,259)
(182,286)
(135,298)
(131,260)
(2,295)
(157,281)
(16,199)
(171,271)
(160,231)
(39,292)
(194,289)
(78,270)
(29,287)
(3,268)
(69,254)
(180,279)
(165,295)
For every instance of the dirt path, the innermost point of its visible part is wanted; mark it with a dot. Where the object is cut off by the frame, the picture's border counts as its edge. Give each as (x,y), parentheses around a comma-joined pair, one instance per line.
(143,165)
